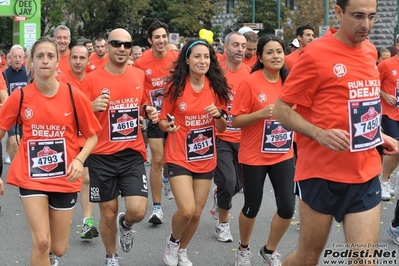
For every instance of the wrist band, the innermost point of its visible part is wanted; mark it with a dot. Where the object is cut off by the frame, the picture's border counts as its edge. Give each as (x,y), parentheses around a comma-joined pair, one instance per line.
(78,160)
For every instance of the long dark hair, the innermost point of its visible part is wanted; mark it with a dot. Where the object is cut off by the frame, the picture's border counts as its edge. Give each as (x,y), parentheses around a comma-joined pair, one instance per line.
(259,51)
(177,81)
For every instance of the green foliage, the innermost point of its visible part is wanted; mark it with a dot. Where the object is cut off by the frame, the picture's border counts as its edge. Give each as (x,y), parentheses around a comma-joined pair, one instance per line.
(52,12)
(306,12)
(6,33)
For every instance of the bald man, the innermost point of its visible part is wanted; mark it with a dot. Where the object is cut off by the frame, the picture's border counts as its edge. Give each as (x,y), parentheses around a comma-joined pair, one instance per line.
(116,165)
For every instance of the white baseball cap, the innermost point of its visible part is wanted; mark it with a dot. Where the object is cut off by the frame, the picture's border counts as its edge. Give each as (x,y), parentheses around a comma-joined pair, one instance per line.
(246,29)
(295,43)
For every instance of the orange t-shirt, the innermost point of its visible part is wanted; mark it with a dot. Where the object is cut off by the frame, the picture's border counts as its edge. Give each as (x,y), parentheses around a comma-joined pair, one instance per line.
(389,75)
(291,59)
(250,62)
(332,91)
(69,78)
(120,121)
(193,145)
(3,85)
(63,64)
(156,72)
(257,146)
(49,140)
(96,62)
(234,79)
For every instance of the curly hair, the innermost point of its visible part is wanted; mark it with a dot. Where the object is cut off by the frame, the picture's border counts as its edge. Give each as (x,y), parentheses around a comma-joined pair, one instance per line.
(259,51)
(181,70)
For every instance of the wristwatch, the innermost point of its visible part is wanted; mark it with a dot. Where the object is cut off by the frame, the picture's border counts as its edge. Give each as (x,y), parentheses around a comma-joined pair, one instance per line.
(222,114)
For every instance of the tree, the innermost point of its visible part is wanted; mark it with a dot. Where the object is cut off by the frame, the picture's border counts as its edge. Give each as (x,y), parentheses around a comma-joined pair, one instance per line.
(52,15)
(6,24)
(265,12)
(306,12)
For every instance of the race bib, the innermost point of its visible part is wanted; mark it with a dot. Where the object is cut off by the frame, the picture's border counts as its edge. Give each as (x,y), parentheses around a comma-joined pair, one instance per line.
(17,85)
(199,144)
(46,158)
(230,120)
(123,124)
(364,122)
(157,98)
(276,138)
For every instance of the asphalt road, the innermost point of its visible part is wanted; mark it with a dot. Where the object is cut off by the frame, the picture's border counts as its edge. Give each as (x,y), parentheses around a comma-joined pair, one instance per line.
(149,241)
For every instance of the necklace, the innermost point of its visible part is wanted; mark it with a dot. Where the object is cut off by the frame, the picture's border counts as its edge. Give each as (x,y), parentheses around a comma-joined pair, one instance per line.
(197,84)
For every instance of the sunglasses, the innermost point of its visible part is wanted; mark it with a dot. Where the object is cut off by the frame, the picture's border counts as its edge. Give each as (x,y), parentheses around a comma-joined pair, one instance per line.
(118,44)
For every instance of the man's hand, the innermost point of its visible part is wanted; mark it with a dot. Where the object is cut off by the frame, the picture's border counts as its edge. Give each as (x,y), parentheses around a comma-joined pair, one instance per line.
(390,145)
(334,139)
(100,103)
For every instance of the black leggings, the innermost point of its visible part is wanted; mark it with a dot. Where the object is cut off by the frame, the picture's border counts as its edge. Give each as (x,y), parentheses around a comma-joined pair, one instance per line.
(282,178)
(1,159)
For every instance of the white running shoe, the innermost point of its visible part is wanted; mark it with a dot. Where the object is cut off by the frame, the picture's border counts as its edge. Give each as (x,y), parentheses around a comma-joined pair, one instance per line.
(183,258)
(215,209)
(270,259)
(243,257)
(222,232)
(7,159)
(166,189)
(113,261)
(125,235)
(53,260)
(385,192)
(157,215)
(394,233)
(170,255)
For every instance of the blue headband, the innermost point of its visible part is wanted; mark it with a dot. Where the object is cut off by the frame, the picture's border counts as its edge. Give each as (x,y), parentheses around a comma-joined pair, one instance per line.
(195,43)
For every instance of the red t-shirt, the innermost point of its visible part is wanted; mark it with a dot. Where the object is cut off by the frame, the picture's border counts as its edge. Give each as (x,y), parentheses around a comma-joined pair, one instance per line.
(120,121)
(63,64)
(49,140)
(250,62)
(389,75)
(234,79)
(3,85)
(193,145)
(337,86)
(96,62)
(69,78)
(291,59)
(156,72)
(257,146)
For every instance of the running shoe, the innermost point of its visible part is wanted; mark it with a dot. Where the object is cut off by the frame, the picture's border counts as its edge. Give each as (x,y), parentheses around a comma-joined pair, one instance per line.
(222,232)
(215,209)
(125,235)
(394,233)
(270,259)
(183,258)
(385,191)
(53,260)
(7,159)
(170,255)
(89,231)
(166,189)
(243,257)
(157,215)
(113,261)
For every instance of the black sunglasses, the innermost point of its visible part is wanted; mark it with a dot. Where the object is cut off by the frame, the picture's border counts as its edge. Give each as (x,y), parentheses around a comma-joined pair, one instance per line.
(118,44)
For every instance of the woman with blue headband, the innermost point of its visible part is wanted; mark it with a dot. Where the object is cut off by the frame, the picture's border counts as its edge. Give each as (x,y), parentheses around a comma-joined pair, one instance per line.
(194,106)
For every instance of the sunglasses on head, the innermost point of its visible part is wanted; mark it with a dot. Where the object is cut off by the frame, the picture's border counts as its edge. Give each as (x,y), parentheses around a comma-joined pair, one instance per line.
(118,44)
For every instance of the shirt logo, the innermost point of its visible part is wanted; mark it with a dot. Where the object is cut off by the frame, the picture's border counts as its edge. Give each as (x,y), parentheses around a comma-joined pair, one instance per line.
(340,70)
(28,113)
(66,114)
(394,72)
(262,97)
(148,72)
(182,106)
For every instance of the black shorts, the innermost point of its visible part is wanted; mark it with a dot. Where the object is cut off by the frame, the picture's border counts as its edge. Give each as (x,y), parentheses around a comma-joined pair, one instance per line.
(338,199)
(154,132)
(172,170)
(56,200)
(390,127)
(121,173)
(13,130)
